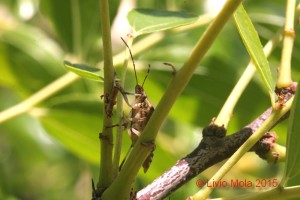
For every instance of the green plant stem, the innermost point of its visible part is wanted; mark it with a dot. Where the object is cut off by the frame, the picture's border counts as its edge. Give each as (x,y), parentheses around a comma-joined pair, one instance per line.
(266,126)
(281,150)
(38,97)
(154,38)
(227,109)
(123,182)
(106,137)
(69,78)
(275,194)
(224,116)
(297,11)
(120,129)
(284,72)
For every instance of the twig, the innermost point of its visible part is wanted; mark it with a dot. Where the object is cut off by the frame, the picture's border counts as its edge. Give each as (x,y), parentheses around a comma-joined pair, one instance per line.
(38,97)
(106,137)
(284,70)
(211,150)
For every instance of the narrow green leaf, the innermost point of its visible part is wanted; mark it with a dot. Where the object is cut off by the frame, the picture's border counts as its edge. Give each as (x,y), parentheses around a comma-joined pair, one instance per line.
(85,71)
(254,47)
(75,125)
(149,21)
(292,167)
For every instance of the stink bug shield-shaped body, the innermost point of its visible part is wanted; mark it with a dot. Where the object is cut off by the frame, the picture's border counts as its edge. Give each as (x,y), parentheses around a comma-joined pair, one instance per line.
(141,111)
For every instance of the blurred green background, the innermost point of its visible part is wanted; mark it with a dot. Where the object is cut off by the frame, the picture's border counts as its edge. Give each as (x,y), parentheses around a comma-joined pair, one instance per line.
(52,152)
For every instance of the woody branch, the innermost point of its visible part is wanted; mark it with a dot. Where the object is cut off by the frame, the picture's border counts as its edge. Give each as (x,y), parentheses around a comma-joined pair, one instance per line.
(213,148)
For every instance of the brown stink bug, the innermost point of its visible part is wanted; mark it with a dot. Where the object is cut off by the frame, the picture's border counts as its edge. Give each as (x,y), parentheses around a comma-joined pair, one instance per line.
(141,111)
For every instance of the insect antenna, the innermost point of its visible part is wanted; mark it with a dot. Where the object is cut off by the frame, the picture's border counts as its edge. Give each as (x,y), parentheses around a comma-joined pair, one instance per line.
(131,59)
(146,75)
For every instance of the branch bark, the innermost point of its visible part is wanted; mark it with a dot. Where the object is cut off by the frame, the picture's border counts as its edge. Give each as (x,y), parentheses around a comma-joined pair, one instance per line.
(213,148)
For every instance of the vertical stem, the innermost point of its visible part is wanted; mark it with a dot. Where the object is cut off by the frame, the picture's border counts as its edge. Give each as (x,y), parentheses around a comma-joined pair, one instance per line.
(122,184)
(120,130)
(106,138)
(284,72)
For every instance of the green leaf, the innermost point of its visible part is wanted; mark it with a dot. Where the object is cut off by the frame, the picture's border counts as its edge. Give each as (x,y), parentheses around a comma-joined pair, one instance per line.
(254,48)
(85,71)
(75,124)
(292,167)
(149,21)
(41,56)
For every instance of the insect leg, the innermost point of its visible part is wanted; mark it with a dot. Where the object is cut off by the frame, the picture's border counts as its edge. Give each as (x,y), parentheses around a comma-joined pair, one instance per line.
(149,158)
(172,66)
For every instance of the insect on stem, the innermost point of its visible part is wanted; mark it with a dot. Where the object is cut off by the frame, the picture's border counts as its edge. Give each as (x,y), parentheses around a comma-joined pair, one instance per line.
(141,111)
